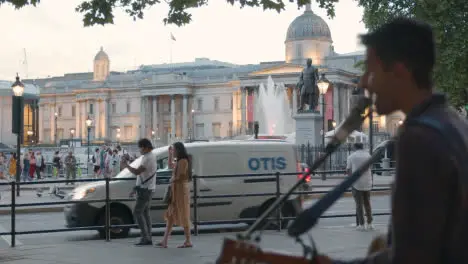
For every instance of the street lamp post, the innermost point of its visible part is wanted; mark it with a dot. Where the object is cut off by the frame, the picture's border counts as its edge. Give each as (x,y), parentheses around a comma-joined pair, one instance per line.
(89,122)
(323,84)
(17,125)
(72,135)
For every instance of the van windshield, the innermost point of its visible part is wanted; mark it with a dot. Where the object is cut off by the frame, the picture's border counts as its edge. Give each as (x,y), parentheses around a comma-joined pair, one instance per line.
(135,164)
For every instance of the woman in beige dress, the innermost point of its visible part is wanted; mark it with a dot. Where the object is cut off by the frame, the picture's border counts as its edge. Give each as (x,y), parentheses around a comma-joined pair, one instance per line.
(178,211)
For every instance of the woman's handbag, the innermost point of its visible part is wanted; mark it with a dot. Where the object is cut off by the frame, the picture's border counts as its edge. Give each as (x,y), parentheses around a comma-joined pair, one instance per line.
(167,198)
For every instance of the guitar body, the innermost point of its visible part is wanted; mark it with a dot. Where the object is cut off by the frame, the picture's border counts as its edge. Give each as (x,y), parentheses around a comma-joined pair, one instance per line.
(379,243)
(240,252)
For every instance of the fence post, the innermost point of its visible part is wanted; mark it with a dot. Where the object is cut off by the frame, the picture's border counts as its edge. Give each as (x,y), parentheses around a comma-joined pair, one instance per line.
(13,214)
(107,223)
(278,195)
(195,205)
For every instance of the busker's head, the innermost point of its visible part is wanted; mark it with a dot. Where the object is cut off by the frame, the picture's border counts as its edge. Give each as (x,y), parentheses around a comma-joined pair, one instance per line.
(399,64)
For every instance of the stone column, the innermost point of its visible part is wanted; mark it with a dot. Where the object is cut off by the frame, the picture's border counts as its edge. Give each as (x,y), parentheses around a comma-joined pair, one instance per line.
(97,122)
(105,121)
(155,117)
(184,117)
(52,122)
(41,123)
(77,120)
(173,125)
(148,112)
(142,118)
(243,109)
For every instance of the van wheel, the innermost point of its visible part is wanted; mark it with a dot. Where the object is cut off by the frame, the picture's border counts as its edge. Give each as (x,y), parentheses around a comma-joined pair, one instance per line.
(118,217)
(286,211)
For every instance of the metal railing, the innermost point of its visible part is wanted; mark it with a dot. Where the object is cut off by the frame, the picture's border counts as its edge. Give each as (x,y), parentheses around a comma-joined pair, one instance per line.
(107,226)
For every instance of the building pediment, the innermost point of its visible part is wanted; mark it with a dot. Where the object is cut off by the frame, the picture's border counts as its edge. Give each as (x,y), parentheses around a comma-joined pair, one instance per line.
(279,69)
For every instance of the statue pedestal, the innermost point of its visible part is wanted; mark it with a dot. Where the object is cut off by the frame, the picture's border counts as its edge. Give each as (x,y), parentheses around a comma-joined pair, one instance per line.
(308,128)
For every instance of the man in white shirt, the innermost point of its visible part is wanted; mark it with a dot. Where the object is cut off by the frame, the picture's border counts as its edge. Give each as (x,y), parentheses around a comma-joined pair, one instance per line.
(361,189)
(145,186)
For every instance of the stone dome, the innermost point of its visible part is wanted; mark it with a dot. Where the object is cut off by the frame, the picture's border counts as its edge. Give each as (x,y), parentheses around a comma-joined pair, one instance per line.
(308,26)
(101,55)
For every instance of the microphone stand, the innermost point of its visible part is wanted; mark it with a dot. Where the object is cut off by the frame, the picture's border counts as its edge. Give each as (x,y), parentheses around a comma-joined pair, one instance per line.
(330,148)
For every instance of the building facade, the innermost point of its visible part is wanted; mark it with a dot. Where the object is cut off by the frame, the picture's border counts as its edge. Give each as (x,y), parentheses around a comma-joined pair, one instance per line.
(30,133)
(204,99)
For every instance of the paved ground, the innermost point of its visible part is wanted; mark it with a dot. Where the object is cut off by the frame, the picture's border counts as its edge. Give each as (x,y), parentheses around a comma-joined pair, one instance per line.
(334,236)
(338,241)
(48,221)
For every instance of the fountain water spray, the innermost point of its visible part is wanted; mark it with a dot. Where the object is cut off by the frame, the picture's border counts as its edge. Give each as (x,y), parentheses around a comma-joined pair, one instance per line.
(272,110)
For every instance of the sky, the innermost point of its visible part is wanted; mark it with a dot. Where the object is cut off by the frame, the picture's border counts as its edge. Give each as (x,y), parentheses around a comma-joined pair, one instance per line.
(55,41)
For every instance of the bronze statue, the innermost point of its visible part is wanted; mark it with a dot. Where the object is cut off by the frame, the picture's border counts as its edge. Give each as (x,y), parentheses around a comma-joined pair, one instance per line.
(308,87)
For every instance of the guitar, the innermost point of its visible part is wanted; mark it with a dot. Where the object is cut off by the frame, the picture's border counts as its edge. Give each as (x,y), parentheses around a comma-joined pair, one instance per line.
(240,252)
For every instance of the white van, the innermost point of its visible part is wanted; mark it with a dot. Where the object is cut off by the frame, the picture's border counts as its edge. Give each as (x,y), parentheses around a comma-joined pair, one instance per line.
(208,158)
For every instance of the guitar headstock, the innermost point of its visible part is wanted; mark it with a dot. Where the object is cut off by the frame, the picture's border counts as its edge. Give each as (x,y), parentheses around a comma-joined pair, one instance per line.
(241,252)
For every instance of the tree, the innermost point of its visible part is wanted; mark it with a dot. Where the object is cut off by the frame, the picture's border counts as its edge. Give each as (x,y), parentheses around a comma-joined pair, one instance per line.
(449,19)
(101,12)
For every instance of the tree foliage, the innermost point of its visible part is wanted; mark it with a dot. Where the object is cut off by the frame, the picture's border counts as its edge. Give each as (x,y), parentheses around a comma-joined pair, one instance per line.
(101,12)
(449,19)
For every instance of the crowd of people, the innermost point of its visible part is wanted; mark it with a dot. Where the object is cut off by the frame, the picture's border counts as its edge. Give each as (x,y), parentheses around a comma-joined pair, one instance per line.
(32,165)
(107,162)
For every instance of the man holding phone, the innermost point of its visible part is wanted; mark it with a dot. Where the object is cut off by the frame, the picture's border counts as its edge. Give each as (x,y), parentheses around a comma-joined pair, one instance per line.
(144,188)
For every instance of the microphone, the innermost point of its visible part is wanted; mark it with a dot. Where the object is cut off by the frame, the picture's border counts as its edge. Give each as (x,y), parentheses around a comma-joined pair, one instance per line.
(351,123)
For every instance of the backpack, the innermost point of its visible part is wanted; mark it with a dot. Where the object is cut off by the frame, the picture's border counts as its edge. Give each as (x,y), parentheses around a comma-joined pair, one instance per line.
(94,159)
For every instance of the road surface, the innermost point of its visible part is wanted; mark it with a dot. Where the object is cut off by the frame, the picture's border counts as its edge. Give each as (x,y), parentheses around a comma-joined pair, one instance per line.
(44,221)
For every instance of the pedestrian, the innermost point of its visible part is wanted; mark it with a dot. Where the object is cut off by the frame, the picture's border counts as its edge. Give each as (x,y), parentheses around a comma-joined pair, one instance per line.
(32,165)
(96,159)
(430,192)
(12,166)
(2,164)
(178,211)
(40,164)
(57,163)
(102,159)
(108,164)
(362,188)
(115,163)
(70,166)
(25,172)
(145,186)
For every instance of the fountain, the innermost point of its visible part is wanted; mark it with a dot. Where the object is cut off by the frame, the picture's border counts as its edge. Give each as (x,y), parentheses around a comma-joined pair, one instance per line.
(272,111)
